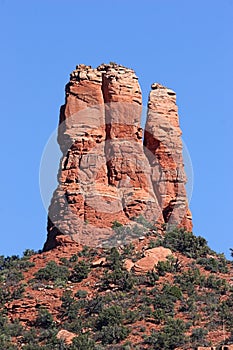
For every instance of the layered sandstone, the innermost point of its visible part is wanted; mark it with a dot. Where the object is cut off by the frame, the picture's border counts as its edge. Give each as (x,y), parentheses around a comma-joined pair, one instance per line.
(105,173)
(163,147)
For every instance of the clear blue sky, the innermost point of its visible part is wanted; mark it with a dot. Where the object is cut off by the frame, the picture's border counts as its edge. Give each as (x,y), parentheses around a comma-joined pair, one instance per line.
(185,45)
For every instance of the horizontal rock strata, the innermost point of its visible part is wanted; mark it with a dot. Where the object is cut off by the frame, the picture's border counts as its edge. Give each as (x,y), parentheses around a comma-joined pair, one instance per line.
(106,174)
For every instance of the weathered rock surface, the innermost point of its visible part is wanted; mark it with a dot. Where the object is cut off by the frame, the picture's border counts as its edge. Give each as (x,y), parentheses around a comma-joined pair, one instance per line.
(66,336)
(151,259)
(105,173)
(163,147)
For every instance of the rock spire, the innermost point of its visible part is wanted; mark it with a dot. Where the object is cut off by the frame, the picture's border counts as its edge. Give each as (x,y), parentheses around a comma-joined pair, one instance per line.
(108,173)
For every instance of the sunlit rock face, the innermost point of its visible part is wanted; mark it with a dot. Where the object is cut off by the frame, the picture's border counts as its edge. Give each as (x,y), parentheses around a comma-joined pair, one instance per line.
(107,172)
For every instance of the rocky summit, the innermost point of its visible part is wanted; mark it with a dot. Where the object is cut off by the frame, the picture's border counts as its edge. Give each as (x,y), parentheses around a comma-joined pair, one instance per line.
(112,171)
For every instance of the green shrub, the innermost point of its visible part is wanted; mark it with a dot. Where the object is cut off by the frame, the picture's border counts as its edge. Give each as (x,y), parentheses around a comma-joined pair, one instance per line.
(30,336)
(110,316)
(198,336)
(13,277)
(81,293)
(164,302)
(52,271)
(116,224)
(6,344)
(44,319)
(225,313)
(164,266)
(82,342)
(118,276)
(14,262)
(79,272)
(159,315)
(73,258)
(172,292)
(29,252)
(5,295)
(114,259)
(219,284)
(18,292)
(170,337)
(214,265)
(74,325)
(185,242)
(85,251)
(187,280)
(128,250)
(152,278)
(70,307)
(65,262)
(122,279)
(113,334)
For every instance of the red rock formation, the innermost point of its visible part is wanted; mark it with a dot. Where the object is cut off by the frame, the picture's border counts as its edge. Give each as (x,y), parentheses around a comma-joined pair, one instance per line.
(151,259)
(105,173)
(128,168)
(163,146)
(66,336)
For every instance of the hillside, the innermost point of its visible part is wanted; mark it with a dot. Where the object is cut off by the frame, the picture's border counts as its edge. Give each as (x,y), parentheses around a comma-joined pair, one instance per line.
(158,292)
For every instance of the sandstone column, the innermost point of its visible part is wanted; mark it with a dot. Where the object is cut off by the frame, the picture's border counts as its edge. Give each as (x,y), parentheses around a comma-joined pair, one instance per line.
(163,145)
(128,168)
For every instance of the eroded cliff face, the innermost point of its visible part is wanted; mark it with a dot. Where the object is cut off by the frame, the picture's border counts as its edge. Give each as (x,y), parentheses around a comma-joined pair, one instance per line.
(106,174)
(163,147)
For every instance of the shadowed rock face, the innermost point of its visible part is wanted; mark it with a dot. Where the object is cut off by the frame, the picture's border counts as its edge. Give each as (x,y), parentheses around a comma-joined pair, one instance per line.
(106,174)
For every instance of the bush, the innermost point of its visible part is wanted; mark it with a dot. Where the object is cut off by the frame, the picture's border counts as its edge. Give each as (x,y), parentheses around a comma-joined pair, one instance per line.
(79,272)
(14,262)
(51,272)
(18,292)
(116,224)
(189,279)
(159,315)
(8,330)
(81,293)
(164,266)
(28,252)
(198,336)
(113,334)
(185,243)
(13,276)
(5,295)
(163,302)
(214,265)
(152,278)
(114,259)
(170,337)
(172,292)
(122,279)
(225,313)
(73,258)
(30,336)
(124,234)
(44,319)
(82,342)
(219,284)
(69,307)
(110,316)
(6,344)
